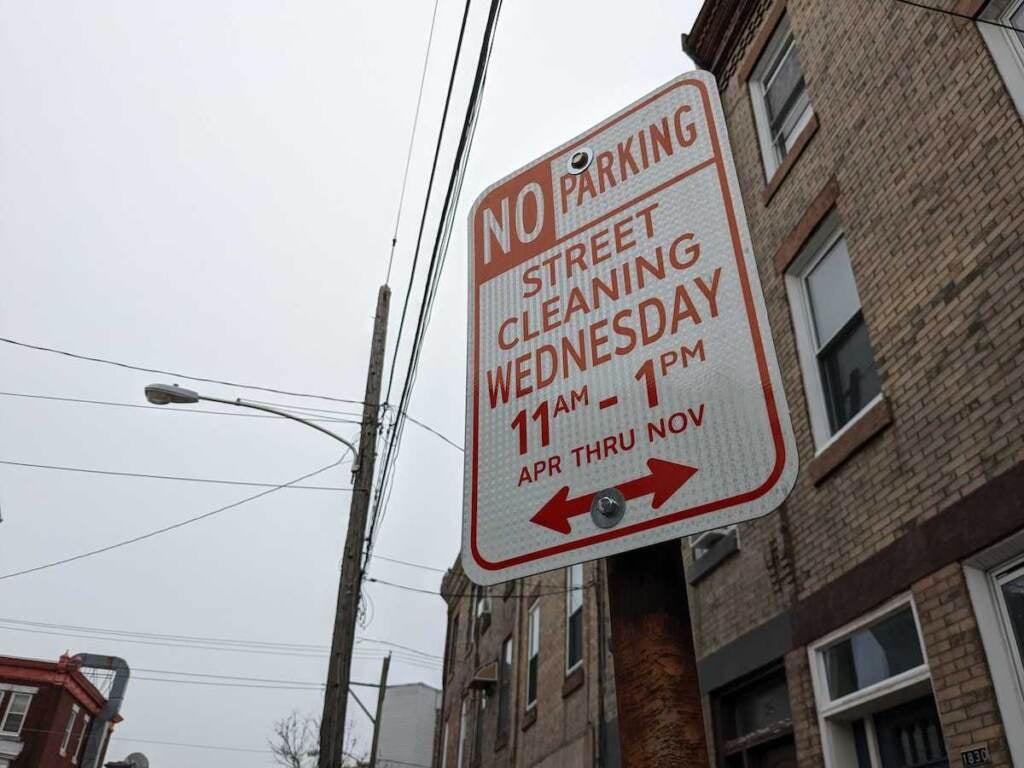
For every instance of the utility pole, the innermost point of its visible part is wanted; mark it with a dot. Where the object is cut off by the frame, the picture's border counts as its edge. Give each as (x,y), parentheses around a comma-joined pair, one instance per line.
(661,721)
(332,724)
(380,708)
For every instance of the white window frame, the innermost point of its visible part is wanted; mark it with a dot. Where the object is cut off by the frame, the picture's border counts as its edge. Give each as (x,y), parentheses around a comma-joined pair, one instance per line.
(1006,48)
(7,711)
(570,593)
(81,739)
(980,573)
(462,733)
(834,716)
(533,618)
(69,729)
(781,40)
(828,233)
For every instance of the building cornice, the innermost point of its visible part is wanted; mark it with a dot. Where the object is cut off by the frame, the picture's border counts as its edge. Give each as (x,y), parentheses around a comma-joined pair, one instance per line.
(715,32)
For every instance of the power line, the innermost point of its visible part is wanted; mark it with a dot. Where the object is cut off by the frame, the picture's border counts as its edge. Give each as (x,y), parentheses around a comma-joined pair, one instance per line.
(436,593)
(399,646)
(411,565)
(412,140)
(168,528)
(180,478)
(116,735)
(959,15)
(426,201)
(433,431)
(435,267)
(164,409)
(132,367)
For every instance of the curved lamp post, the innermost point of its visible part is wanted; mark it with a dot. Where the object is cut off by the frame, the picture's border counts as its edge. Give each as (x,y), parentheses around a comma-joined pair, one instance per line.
(167,394)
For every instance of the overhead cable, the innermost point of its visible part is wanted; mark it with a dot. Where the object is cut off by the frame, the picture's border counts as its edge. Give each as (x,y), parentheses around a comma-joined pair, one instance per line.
(180,478)
(168,528)
(133,367)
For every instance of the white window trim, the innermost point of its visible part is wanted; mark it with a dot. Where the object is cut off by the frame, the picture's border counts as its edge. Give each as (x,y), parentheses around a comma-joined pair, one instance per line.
(568,614)
(755,85)
(7,711)
(462,733)
(81,738)
(855,705)
(535,608)
(825,236)
(1007,53)
(30,689)
(996,637)
(69,729)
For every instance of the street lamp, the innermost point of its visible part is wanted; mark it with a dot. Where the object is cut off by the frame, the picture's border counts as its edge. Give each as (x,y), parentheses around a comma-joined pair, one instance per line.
(167,394)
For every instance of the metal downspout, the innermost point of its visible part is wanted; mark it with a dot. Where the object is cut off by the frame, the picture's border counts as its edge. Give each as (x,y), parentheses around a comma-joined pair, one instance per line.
(110,710)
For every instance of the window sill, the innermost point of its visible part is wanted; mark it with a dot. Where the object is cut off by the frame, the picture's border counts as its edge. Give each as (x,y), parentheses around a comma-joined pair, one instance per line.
(529,718)
(789,160)
(573,681)
(855,435)
(714,557)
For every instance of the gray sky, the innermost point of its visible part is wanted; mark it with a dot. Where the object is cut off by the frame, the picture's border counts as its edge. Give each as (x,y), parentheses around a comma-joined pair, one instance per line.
(211,188)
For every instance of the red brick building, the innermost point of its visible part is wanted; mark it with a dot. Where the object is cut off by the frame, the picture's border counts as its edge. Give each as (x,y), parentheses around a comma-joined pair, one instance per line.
(528,679)
(48,711)
(876,620)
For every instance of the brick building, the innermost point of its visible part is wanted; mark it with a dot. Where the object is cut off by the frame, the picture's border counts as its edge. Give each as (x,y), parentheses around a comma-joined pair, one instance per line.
(48,711)
(877,618)
(527,676)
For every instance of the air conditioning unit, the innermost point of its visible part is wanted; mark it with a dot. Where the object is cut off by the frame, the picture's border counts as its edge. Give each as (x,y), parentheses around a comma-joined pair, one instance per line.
(701,543)
(483,607)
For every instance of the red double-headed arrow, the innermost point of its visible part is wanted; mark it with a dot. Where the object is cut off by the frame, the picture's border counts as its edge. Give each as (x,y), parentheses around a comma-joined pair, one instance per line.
(665,479)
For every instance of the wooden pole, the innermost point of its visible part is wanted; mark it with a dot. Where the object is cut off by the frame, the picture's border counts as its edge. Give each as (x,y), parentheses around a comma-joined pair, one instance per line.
(380,709)
(332,724)
(661,720)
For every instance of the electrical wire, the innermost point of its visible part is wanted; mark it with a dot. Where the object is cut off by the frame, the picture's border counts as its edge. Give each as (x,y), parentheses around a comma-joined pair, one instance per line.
(959,15)
(411,565)
(434,269)
(180,478)
(167,528)
(133,367)
(427,196)
(412,140)
(446,595)
(164,409)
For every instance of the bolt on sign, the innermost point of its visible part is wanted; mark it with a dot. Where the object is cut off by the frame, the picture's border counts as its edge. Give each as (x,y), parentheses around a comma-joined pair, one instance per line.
(622,382)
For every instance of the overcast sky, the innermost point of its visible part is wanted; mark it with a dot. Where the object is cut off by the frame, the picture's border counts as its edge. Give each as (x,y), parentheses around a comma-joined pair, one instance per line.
(210,188)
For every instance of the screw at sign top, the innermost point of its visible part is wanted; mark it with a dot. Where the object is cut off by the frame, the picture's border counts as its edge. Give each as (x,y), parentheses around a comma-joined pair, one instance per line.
(580,160)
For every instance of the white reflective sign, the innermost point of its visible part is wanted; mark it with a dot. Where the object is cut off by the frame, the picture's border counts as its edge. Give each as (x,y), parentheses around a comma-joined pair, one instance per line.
(618,341)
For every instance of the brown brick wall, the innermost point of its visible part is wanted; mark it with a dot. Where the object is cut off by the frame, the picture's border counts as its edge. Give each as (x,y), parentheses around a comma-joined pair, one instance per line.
(565,727)
(927,150)
(960,676)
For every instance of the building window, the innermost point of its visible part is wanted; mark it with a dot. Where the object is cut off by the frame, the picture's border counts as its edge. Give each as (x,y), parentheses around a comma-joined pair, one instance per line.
(754,725)
(478,727)
(781,105)
(14,717)
(453,640)
(533,652)
(873,692)
(504,690)
(68,730)
(462,734)
(81,739)
(1006,45)
(840,375)
(573,617)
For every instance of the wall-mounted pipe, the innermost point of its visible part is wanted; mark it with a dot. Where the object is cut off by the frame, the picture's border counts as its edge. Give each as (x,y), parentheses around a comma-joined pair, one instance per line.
(119,666)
